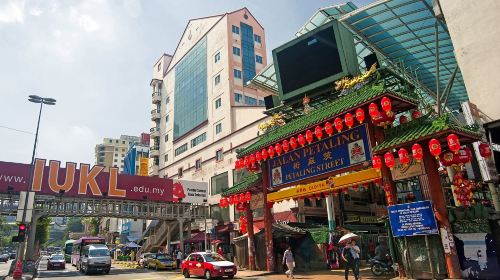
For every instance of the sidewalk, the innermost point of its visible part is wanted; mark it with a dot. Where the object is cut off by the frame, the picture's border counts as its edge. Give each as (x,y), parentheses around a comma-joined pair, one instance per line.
(26,276)
(320,275)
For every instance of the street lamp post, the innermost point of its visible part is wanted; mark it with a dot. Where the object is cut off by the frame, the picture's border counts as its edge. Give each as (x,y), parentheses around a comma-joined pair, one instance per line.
(22,245)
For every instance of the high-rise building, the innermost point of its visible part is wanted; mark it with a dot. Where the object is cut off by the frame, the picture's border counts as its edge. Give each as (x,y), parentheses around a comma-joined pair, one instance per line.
(202,109)
(137,154)
(111,152)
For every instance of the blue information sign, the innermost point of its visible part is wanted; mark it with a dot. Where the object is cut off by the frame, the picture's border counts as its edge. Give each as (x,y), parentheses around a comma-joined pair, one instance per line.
(342,150)
(416,218)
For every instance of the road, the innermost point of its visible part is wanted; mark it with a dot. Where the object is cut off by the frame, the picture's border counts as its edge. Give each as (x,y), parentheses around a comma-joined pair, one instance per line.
(117,273)
(4,269)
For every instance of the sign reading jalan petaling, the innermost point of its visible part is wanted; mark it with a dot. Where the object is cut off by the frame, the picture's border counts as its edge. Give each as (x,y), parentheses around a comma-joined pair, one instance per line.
(93,182)
(342,150)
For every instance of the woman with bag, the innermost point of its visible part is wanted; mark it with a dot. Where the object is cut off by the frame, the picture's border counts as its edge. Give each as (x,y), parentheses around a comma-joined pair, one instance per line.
(350,254)
(288,260)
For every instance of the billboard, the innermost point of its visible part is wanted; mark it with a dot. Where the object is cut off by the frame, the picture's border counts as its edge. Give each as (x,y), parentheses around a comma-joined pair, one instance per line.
(409,219)
(88,181)
(342,150)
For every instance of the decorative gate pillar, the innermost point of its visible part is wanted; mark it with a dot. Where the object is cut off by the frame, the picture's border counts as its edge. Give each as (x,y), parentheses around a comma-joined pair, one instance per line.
(268,220)
(251,243)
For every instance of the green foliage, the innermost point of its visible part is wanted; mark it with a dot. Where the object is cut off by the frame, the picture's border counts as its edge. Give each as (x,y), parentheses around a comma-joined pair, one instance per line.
(5,233)
(74,224)
(42,230)
(94,222)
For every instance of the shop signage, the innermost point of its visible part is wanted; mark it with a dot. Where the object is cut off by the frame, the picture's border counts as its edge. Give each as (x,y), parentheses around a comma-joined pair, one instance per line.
(257,201)
(342,150)
(143,166)
(400,171)
(94,182)
(409,219)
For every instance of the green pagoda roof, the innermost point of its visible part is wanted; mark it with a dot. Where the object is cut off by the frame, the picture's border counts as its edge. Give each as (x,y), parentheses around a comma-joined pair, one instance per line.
(246,183)
(351,101)
(423,128)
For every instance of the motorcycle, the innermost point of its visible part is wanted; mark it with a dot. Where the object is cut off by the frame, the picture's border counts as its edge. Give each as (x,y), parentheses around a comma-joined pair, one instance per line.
(380,267)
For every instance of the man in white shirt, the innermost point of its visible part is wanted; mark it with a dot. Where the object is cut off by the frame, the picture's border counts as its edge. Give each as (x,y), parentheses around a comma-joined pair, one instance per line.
(179,259)
(350,254)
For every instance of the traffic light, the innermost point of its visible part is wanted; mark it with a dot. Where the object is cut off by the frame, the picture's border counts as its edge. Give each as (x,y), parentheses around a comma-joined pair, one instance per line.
(22,232)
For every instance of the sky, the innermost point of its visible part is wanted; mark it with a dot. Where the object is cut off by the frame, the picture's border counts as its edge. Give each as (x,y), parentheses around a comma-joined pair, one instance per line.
(95,58)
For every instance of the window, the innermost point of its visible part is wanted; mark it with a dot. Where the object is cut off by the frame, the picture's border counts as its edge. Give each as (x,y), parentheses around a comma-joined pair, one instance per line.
(165,157)
(219,183)
(123,142)
(217,57)
(166,137)
(218,128)
(115,160)
(250,101)
(257,38)
(218,103)
(247,52)
(236,29)
(258,58)
(168,100)
(219,155)
(181,149)
(166,119)
(237,97)
(198,139)
(236,51)
(179,172)
(237,73)
(116,155)
(307,202)
(197,164)
(159,67)
(319,203)
(238,175)
(219,214)
(217,79)
(262,103)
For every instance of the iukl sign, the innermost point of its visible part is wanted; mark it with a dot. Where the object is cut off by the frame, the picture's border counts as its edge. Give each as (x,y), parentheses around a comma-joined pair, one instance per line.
(409,219)
(342,150)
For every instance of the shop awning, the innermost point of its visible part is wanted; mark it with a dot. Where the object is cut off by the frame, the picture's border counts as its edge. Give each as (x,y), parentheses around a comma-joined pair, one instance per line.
(246,184)
(403,31)
(361,97)
(197,238)
(339,182)
(424,129)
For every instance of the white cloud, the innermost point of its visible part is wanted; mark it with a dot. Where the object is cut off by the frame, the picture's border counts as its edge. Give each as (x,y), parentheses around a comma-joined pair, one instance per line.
(36,12)
(12,12)
(88,23)
(133,8)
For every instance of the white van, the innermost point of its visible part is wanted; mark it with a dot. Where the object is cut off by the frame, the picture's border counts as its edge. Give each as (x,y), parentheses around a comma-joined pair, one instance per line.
(95,258)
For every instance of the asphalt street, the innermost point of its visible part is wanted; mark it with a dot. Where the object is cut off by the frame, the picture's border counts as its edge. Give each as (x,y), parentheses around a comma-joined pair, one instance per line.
(4,269)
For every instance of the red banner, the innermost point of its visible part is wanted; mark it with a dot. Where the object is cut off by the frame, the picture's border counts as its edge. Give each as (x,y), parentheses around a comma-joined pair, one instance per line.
(85,181)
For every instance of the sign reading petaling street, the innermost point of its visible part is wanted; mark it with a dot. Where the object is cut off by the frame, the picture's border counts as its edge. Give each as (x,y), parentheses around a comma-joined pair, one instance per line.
(416,218)
(342,150)
(93,182)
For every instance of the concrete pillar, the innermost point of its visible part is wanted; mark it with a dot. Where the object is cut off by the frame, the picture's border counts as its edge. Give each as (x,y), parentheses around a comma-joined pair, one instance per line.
(181,234)
(169,238)
(439,204)
(30,247)
(251,242)
(268,220)
(330,210)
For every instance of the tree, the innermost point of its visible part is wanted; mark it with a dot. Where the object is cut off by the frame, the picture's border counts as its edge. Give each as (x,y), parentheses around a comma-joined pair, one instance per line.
(42,230)
(74,225)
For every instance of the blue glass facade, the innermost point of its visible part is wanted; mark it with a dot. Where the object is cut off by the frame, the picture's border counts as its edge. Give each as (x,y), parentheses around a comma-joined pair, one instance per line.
(190,92)
(129,162)
(247,46)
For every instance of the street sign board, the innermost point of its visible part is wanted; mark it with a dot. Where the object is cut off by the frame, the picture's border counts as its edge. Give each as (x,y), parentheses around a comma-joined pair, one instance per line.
(409,219)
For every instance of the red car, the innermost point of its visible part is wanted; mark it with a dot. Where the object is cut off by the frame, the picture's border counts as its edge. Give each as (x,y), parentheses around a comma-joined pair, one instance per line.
(209,265)
(56,262)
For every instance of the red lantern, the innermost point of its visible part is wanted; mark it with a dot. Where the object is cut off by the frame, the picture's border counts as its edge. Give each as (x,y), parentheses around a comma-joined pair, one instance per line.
(231,200)
(264,154)
(338,124)
(285,145)
(301,139)
(435,147)
(248,196)
(293,143)
(389,160)
(309,136)
(449,158)
(318,131)
(237,164)
(417,152)
(328,128)
(241,198)
(386,105)
(278,149)
(383,120)
(360,115)
(453,143)
(403,119)
(485,150)
(270,151)
(225,202)
(464,155)
(258,156)
(349,120)
(221,203)
(404,157)
(415,114)
(377,162)
(373,110)
(247,162)
(252,159)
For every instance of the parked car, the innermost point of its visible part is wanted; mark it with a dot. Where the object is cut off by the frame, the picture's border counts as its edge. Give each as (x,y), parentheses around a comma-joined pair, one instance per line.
(209,265)
(143,260)
(162,261)
(56,262)
(4,258)
(13,255)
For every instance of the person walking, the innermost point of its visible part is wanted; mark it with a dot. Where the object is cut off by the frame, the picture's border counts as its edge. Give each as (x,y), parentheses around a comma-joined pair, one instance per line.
(350,254)
(179,259)
(288,260)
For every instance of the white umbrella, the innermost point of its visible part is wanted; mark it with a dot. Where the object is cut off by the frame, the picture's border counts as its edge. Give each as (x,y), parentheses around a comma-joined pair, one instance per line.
(347,237)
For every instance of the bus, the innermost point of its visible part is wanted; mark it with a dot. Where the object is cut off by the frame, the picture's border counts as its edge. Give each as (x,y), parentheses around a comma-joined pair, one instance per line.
(78,248)
(68,250)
